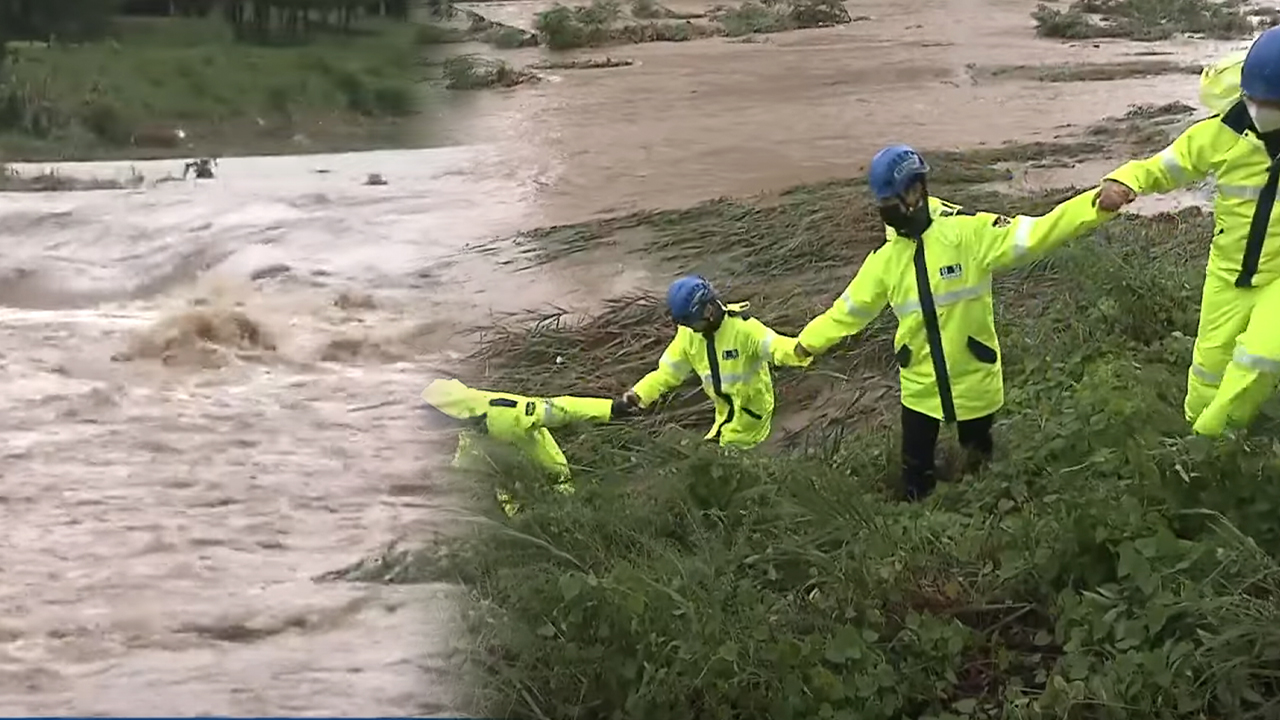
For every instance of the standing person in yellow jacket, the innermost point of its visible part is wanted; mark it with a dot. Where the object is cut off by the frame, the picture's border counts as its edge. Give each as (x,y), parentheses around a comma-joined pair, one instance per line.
(731,353)
(521,421)
(934,269)
(1236,358)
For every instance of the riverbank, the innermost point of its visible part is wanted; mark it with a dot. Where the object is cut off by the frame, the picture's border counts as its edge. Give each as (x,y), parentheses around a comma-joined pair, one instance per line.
(179,87)
(1105,558)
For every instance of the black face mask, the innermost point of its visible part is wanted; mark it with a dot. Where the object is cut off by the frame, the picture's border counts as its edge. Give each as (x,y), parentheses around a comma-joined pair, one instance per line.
(910,223)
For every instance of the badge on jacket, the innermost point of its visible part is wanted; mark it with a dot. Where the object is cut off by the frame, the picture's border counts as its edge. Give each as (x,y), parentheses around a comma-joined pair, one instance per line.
(949,272)
(730,354)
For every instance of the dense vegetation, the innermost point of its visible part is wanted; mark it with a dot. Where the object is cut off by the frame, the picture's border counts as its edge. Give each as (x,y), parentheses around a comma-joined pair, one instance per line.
(1150,20)
(251,76)
(1106,566)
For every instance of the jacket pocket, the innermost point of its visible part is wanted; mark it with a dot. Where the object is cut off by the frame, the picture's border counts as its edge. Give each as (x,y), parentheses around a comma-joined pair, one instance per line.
(903,356)
(982,352)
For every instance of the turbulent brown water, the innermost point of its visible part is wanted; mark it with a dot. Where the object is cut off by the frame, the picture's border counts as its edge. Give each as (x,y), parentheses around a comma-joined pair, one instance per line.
(211,385)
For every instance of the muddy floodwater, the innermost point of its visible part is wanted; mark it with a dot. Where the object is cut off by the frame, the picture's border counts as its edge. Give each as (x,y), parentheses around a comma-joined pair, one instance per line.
(168,502)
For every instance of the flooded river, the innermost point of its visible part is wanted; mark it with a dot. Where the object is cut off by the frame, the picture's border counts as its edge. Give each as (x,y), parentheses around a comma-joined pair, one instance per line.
(168,502)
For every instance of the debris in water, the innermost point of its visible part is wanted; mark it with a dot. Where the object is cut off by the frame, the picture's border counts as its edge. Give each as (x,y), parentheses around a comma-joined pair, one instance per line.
(270,271)
(350,300)
(583,64)
(205,337)
(52,181)
(355,348)
(375,179)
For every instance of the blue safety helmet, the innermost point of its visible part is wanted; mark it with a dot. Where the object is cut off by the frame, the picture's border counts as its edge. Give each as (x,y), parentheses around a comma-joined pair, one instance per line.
(687,298)
(1260,75)
(893,169)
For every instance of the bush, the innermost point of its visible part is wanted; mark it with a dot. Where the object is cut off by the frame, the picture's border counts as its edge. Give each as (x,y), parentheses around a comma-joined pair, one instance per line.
(473,72)
(1144,20)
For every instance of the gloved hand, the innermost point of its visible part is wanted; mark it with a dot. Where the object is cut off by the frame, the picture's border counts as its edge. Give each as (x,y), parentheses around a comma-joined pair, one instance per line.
(1113,195)
(625,406)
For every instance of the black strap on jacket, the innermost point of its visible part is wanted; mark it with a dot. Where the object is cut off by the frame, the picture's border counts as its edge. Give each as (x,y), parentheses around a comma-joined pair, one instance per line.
(1237,118)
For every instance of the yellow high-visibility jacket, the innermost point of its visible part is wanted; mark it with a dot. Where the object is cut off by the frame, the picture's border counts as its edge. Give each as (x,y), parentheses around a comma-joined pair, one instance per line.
(733,363)
(516,419)
(1226,146)
(940,291)
(1220,82)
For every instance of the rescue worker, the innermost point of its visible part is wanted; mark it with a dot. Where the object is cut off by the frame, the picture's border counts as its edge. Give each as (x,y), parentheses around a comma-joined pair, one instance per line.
(1237,350)
(934,269)
(520,421)
(730,351)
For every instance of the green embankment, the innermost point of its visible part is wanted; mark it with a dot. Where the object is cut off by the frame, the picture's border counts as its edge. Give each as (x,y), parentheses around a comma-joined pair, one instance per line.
(1105,566)
(126,95)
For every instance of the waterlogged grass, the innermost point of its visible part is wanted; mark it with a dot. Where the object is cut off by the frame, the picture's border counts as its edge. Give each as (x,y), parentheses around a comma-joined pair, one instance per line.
(1104,566)
(133,91)
(603,22)
(1146,20)
(1085,72)
(474,72)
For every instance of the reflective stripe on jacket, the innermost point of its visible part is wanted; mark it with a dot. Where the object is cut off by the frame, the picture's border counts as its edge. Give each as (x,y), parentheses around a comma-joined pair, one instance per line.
(733,364)
(1226,146)
(940,291)
(516,419)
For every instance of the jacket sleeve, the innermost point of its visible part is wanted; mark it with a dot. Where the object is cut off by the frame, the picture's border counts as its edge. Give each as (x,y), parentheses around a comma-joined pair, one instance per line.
(856,307)
(673,369)
(775,348)
(1002,242)
(1188,159)
(566,409)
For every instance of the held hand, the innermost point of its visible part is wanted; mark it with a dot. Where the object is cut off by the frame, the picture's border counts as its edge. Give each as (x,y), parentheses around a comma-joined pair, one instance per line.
(1114,195)
(625,406)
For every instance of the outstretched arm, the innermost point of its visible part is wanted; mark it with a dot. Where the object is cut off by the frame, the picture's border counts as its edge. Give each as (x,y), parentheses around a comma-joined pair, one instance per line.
(1186,160)
(1003,242)
(856,307)
(772,347)
(672,370)
(565,409)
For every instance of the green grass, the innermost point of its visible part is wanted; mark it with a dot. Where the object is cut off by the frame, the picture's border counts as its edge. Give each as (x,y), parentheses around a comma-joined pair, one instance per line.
(102,97)
(1106,565)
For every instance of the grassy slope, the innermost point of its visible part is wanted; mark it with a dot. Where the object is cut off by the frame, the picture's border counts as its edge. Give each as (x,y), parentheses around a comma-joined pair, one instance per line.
(1106,566)
(87,101)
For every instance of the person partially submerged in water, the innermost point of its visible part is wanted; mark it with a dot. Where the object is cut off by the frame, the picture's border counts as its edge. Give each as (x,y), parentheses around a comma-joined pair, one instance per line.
(203,168)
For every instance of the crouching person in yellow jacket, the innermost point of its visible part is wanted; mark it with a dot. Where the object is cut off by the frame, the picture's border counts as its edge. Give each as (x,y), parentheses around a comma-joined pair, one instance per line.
(1236,358)
(521,421)
(731,353)
(934,269)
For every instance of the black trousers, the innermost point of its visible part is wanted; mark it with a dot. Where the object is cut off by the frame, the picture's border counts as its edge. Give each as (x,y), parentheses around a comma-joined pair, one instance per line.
(920,440)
